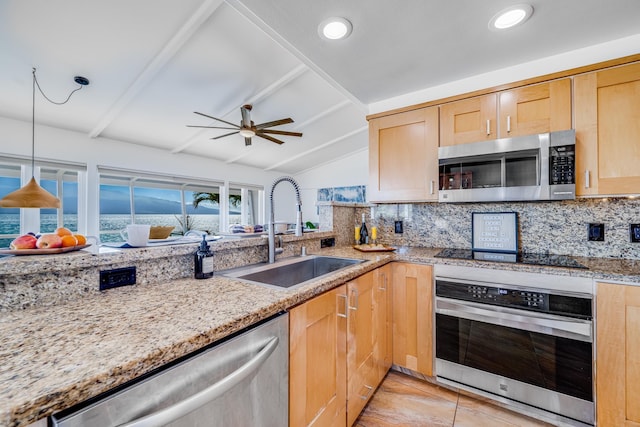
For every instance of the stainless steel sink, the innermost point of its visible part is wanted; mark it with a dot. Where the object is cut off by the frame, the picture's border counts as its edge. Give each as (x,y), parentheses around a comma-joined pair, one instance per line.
(291,272)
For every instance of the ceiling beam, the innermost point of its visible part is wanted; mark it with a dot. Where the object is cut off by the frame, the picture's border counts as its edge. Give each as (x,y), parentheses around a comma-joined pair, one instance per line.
(318,147)
(192,25)
(245,11)
(264,93)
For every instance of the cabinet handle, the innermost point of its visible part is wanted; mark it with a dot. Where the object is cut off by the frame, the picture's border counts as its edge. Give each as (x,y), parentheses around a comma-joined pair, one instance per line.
(587,180)
(508,124)
(384,283)
(355,295)
(368,394)
(345,306)
(488,127)
(431,185)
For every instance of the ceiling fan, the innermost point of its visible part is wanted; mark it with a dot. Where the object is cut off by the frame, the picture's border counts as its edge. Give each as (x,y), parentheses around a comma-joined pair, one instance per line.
(248,129)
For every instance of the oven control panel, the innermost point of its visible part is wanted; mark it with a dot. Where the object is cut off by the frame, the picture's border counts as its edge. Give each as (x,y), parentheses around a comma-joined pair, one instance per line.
(507,297)
(516,297)
(562,164)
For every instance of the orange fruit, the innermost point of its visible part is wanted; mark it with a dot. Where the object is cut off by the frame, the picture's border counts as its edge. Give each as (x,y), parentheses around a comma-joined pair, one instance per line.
(81,239)
(63,231)
(68,240)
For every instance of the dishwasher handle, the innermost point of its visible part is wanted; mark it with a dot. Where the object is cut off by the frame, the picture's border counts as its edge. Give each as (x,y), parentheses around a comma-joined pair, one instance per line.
(210,393)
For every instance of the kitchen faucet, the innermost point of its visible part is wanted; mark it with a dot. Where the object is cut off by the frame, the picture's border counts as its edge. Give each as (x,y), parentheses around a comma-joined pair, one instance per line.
(272,239)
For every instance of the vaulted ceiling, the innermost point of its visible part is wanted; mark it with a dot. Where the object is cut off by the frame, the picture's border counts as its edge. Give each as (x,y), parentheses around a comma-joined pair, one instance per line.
(152,63)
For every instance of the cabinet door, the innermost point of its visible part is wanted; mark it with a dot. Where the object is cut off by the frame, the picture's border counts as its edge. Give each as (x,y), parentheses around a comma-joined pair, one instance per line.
(607,123)
(383,350)
(403,157)
(413,317)
(361,336)
(468,120)
(618,355)
(317,371)
(539,108)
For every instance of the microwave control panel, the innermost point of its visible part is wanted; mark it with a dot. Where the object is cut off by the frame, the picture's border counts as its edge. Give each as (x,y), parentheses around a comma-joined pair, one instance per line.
(562,164)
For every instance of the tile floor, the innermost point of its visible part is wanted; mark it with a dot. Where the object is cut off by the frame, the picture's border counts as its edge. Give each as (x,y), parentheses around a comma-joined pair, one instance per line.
(405,401)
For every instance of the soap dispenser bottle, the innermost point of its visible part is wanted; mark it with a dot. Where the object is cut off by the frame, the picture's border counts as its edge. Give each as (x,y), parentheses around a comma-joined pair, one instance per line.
(203,260)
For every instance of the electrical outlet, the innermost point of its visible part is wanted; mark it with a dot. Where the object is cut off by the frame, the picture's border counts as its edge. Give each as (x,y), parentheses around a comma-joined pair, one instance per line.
(596,232)
(634,233)
(117,277)
(398,227)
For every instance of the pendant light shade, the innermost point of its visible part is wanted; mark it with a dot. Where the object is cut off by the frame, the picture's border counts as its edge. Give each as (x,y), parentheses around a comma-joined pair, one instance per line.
(30,196)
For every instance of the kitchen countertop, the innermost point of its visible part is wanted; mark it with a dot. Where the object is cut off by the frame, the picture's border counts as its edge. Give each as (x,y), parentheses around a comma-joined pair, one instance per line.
(55,357)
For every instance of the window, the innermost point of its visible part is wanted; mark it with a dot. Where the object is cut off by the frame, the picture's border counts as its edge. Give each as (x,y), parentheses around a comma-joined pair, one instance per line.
(246,204)
(131,197)
(59,179)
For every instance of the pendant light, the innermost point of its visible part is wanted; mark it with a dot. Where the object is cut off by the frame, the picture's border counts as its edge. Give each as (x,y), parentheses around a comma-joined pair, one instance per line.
(32,195)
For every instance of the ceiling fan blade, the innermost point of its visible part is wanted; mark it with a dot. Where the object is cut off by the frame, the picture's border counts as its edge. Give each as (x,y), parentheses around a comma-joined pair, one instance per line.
(277,141)
(235,126)
(226,134)
(274,123)
(210,127)
(245,110)
(279,132)
(247,141)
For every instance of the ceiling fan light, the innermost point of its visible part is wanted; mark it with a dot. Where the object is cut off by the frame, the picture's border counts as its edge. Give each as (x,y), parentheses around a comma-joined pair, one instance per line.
(335,28)
(247,133)
(510,17)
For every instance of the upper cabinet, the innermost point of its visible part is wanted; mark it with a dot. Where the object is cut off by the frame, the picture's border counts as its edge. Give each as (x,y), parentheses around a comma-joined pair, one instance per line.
(403,157)
(607,123)
(527,110)
(469,120)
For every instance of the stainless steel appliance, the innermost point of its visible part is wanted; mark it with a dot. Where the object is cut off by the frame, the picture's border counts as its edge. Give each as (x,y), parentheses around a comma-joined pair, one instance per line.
(522,338)
(241,382)
(533,167)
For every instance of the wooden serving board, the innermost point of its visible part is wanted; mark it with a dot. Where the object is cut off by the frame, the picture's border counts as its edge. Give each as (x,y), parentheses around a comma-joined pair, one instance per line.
(42,251)
(372,248)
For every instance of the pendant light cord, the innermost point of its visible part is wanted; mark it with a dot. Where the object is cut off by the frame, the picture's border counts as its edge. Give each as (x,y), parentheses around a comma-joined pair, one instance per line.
(33,112)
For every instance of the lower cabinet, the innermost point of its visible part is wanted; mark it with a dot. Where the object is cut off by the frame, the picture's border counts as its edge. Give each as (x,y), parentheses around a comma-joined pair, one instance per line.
(318,361)
(413,317)
(618,355)
(340,350)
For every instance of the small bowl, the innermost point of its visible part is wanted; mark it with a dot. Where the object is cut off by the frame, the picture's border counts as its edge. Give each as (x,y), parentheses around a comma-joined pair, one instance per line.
(160,231)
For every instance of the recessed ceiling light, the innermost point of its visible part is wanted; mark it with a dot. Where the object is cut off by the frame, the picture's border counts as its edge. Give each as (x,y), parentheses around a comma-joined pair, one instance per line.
(335,28)
(510,17)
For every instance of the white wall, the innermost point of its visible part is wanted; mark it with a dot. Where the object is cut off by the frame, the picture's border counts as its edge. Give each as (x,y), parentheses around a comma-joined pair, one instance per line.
(69,146)
(347,171)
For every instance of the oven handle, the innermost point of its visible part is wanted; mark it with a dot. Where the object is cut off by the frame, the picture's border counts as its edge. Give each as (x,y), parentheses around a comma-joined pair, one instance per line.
(526,320)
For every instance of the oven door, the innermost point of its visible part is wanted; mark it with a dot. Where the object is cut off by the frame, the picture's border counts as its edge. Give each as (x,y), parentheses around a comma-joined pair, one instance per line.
(541,360)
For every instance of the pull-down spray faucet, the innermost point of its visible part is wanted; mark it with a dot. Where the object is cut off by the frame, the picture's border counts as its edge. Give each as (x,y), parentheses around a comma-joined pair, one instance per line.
(272,239)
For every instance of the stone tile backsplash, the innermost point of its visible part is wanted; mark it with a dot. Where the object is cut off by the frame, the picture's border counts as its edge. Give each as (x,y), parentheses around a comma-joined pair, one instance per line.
(559,227)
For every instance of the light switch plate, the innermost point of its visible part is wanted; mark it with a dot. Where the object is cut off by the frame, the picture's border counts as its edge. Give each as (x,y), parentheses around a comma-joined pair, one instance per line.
(634,233)
(596,232)
(398,227)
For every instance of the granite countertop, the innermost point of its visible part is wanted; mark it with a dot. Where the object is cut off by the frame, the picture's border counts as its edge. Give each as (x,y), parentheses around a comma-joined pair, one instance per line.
(54,357)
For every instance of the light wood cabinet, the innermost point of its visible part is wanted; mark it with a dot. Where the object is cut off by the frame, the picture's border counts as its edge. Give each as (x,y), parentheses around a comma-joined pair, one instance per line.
(618,355)
(361,339)
(413,317)
(318,361)
(469,120)
(340,350)
(403,157)
(540,108)
(607,123)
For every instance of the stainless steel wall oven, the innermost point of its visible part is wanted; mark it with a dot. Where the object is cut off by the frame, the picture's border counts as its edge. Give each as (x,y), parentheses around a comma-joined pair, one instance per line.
(523,338)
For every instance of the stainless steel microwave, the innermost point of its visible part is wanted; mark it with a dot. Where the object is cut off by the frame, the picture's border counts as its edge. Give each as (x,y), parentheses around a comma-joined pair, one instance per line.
(523,168)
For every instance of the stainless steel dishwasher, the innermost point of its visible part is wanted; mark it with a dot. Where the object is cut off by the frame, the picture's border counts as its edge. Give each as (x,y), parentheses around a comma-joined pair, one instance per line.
(241,382)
